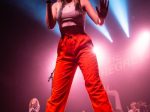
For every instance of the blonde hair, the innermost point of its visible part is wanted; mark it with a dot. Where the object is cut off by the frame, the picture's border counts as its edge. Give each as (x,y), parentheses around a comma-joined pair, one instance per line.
(34,102)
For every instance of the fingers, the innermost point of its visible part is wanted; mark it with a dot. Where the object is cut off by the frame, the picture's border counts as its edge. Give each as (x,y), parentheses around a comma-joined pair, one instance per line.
(102,2)
(102,12)
(105,2)
(107,5)
(97,10)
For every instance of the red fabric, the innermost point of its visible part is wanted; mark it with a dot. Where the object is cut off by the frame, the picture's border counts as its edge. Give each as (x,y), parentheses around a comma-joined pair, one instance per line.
(73,51)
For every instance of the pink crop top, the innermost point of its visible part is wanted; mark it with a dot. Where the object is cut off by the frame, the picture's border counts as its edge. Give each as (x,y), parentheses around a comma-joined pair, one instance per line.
(71,15)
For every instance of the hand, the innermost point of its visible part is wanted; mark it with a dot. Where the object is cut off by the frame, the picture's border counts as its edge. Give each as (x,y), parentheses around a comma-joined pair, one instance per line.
(51,1)
(102,13)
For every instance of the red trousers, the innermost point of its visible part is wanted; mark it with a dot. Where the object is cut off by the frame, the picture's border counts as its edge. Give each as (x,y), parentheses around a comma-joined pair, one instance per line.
(76,50)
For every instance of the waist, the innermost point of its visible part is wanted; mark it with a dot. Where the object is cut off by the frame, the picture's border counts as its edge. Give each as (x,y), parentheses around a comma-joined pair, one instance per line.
(69,30)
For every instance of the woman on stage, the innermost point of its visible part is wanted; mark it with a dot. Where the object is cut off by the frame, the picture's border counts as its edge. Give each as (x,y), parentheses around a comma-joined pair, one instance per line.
(75,49)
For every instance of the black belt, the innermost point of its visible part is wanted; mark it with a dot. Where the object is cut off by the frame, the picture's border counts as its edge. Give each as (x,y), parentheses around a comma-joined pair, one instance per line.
(72,30)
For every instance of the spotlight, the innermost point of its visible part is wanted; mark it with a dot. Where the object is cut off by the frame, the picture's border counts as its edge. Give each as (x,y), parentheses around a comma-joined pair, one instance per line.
(102,29)
(143,40)
(100,53)
(56,30)
(120,10)
(35,9)
(142,44)
(96,50)
(146,34)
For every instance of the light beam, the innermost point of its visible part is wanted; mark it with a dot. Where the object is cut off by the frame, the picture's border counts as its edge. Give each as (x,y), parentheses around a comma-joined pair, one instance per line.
(120,10)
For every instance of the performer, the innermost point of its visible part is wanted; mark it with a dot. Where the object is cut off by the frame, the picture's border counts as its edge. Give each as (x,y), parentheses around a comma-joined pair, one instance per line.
(75,49)
(34,105)
(133,107)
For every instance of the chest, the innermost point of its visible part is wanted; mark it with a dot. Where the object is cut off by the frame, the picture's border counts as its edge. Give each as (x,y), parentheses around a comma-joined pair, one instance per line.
(69,10)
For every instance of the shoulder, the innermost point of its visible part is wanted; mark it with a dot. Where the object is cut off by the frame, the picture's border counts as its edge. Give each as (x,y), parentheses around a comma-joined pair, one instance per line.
(84,2)
(57,5)
(54,5)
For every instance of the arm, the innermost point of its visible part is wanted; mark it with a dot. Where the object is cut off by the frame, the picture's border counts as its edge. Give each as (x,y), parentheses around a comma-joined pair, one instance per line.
(91,12)
(51,15)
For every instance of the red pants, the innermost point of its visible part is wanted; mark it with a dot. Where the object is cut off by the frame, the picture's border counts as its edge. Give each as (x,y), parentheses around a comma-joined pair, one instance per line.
(73,51)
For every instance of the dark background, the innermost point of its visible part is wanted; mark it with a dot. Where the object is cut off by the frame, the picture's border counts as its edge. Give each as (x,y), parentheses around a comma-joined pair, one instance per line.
(27,51)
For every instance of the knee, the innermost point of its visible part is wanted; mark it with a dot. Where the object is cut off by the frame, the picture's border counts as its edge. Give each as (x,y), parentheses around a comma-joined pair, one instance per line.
(94,85)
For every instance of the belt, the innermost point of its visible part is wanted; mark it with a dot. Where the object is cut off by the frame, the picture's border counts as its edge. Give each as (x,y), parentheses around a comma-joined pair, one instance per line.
(71,30)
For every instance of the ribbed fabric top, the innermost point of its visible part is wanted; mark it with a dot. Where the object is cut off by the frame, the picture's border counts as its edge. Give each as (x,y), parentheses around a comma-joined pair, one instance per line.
(70,16)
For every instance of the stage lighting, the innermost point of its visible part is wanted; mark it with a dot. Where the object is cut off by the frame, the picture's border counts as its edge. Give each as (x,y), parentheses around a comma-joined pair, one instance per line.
(105,32)
(96,50)
(142,44)
(56,29)
(120,10)
(100,53)
(146,34)
(102,29)
(36,9)
(143,40)
(33,8)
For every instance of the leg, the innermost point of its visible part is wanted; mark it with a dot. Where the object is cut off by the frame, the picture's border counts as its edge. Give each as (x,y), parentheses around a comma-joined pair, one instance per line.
(63,76)
(89,67)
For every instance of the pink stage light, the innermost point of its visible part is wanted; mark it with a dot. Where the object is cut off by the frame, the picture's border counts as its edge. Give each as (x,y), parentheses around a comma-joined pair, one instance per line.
(142,43)
(100,53)
(101,58)
(139,51)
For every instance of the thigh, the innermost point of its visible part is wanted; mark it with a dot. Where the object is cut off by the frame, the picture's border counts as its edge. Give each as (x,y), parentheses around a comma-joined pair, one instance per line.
(63,74)
(88,64)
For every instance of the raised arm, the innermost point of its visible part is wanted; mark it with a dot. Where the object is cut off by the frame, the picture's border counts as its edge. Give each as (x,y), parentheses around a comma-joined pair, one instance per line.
(51,14)
(101,14)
